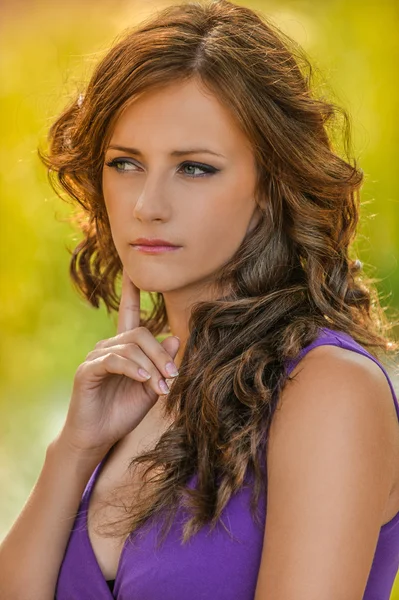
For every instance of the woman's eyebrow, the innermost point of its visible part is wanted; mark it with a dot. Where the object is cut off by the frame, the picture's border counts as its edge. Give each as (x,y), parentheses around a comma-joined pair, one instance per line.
(174,153)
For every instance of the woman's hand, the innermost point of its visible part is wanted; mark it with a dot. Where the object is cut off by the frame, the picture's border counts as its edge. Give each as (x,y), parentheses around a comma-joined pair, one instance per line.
(110,395)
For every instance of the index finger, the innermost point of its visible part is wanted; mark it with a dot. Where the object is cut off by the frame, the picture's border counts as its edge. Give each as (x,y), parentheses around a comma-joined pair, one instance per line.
(129,307)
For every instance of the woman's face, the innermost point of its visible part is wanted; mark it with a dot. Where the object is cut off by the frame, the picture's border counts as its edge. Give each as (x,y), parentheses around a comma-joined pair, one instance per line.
(206,208)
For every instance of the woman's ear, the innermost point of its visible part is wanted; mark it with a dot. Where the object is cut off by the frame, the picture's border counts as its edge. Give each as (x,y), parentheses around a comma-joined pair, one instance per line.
(255,218)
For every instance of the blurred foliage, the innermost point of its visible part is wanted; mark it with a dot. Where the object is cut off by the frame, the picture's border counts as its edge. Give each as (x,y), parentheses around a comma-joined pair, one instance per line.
(48,51)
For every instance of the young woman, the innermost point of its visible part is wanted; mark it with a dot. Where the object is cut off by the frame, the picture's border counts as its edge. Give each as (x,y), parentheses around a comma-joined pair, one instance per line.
(205,176)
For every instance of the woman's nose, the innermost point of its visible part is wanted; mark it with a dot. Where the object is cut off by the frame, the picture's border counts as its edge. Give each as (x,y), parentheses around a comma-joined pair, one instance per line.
(151,203)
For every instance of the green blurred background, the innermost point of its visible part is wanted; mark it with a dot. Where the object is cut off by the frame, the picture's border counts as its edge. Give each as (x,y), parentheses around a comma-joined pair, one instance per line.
(48,51)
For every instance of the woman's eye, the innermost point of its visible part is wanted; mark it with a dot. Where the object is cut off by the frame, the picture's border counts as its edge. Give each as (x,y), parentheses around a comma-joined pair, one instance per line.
(118,161)
(206,169)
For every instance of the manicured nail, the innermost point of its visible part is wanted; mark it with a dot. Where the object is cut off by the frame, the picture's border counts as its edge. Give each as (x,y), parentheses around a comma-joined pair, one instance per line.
(172,369)
(163,386)
(144,373)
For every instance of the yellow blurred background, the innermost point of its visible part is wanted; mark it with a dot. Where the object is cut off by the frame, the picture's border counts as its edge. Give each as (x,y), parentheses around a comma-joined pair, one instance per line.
(48,50)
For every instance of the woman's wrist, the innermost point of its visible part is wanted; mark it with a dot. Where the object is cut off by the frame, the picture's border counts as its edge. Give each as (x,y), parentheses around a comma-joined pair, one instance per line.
(63,451)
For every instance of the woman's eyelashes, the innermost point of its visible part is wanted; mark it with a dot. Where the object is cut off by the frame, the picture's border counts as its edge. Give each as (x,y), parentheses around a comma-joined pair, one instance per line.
(206,169)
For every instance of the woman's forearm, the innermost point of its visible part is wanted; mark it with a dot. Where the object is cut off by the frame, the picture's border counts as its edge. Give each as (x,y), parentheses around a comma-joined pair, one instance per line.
(32,552)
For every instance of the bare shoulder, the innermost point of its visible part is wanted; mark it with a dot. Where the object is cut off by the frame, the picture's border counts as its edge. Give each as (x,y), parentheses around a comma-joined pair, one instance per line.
(346,397)
(327,358)
(331,373)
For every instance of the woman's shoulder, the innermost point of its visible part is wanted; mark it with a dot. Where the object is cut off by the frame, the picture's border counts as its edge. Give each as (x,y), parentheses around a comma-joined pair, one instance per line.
(334,374)
(338,352)
(341,398)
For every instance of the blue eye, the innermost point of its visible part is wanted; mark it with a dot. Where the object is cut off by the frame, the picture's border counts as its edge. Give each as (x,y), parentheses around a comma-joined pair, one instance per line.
(206,169)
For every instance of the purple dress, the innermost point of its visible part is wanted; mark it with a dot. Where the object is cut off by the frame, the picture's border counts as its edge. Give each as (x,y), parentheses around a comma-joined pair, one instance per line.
(210,561)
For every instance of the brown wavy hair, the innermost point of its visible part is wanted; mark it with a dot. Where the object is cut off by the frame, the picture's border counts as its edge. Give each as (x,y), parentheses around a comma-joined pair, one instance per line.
(291,275)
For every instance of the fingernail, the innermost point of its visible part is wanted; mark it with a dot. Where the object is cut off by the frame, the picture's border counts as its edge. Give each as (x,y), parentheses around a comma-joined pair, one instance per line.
(144,373)
(172,369)
(163,386)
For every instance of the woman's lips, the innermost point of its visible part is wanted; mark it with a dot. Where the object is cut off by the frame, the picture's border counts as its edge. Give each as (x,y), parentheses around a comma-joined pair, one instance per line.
(155,249)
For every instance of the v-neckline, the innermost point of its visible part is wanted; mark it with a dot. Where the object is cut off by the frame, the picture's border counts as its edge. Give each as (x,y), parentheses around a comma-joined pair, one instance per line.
(85,508)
